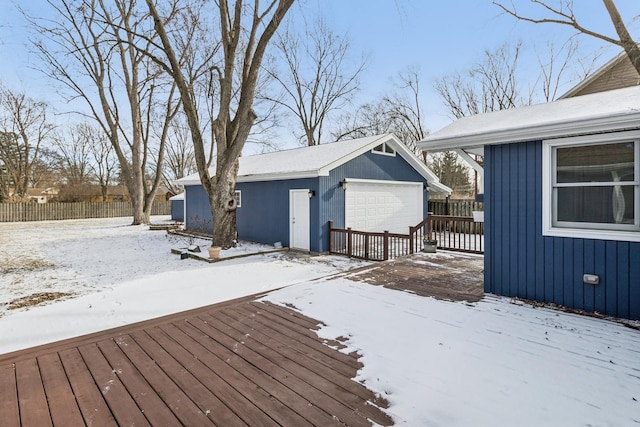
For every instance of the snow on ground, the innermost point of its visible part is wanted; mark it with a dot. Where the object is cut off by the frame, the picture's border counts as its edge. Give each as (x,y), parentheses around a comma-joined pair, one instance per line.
(438,363)
(491,363)
(118,274)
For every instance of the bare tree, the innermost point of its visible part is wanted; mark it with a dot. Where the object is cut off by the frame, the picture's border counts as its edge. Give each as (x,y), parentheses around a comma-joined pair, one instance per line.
(490,85)
(104,163)
(563,14)
(179,157)
(243,45)
(72,155)
(318,77)
(398,112)
(94,51)
(24,131)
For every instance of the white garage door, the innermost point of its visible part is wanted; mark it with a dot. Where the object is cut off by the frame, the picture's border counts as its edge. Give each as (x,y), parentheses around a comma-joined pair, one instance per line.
(379,206)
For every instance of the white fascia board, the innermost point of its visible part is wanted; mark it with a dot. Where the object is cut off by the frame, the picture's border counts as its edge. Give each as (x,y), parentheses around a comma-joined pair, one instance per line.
(586,126)
(279,176)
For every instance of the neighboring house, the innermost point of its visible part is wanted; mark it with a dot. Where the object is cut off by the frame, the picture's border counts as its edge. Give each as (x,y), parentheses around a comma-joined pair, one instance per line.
(41,195)
(369,184)
(615,74)
(177,207)
(562,199)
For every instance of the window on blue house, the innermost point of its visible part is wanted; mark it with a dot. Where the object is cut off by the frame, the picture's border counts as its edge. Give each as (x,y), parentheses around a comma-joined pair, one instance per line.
(593,187)
(238,195)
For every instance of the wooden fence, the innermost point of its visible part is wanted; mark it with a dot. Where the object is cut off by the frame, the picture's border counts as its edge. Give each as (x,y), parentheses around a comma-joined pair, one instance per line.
(448,232)
(19,212)
(455,207)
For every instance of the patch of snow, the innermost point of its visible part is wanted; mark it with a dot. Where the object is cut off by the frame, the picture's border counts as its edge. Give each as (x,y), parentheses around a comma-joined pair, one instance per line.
(490,363)
(121,274)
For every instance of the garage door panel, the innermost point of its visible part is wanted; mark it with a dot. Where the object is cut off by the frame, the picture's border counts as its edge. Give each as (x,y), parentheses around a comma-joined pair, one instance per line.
(379,207)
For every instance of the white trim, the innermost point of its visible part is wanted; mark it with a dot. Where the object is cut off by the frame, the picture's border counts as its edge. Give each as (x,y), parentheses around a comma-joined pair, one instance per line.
(548,169)
(586,126)
(384,150)
(381,181)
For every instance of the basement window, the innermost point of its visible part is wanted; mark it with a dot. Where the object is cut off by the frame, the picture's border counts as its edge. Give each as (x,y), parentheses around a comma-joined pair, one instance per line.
(384,149)
(592,187)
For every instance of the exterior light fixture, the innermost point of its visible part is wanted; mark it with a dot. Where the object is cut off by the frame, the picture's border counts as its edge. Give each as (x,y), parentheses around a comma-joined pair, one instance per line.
(343,184)
(311,193)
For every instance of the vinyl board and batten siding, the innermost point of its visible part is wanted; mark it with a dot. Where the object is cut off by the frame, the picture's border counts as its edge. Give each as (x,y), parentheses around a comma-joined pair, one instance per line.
(521,262)
(197,214)
(264,213)
(366,166)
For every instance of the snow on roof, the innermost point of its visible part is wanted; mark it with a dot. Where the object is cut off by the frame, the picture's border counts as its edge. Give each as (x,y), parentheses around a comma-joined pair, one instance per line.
(317,160)
(605,111)
(177,197)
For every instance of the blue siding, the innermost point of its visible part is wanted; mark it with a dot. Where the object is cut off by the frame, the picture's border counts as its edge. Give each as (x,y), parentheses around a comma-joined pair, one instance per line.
(366,166)
(198,211)
(177,210)
(521,262)
(264,212)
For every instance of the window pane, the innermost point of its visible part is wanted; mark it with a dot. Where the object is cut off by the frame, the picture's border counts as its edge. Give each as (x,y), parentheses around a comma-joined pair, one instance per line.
(379,148)
(595,163)
(602,204)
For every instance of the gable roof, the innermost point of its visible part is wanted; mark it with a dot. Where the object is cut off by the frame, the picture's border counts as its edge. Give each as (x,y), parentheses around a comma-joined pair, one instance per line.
(599,112)
(615,74)
(319,160)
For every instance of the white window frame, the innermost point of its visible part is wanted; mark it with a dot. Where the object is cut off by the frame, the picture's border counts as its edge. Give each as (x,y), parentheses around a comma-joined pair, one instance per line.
(238,196)
(384,150)
(587,231)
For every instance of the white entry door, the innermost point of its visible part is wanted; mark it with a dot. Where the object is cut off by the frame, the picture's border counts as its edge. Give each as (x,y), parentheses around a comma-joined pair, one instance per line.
(299,219)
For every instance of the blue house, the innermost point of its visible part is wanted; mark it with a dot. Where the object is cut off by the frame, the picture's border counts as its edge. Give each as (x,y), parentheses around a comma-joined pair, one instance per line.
(370,184)
(562,199)
(177,207)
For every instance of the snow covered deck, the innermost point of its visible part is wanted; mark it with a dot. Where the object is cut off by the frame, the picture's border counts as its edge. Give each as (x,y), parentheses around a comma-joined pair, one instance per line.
(381,351)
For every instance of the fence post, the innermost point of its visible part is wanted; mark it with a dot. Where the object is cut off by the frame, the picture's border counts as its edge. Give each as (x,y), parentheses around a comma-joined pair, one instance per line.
(349,244)
(330,239)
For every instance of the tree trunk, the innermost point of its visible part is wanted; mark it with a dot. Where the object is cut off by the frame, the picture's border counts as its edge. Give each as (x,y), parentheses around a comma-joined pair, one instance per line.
(223,205)
(629,45)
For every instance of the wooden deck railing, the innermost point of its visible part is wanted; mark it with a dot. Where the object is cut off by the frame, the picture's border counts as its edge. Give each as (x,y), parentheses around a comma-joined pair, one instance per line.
(456,233)
(452,233)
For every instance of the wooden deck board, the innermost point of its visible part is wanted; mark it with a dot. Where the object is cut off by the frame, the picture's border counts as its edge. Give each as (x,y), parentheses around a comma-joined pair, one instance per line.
(34,409)
(265,392)
(245,399)
(206,401)
(93,407)
(297,384)
(287,364)
(9,408)
(453,278)
(239,363)
(62,404)
(123,407)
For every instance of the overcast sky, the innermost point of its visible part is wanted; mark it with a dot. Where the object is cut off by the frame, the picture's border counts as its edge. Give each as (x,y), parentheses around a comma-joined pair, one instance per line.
(439,37)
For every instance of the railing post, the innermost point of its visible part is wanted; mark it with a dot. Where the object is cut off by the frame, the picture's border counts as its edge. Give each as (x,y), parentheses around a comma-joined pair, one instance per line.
(385,245)
(366,246)
(330,236)
(349,243)
(411,240)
